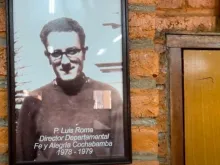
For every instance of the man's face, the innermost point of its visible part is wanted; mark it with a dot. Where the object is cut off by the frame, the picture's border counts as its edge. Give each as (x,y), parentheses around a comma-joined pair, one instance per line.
(65,54)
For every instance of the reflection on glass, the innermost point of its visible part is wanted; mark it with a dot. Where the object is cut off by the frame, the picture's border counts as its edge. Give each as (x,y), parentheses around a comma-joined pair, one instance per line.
(117,38)
(51,6)
(101,51)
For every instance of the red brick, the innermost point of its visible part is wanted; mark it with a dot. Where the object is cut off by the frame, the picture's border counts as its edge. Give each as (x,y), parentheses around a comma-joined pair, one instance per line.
(162,123)
(202,3)
(181,23)
(170,4)
(162,99)
(145,2)
(160,48)
(3,67)
(164,163)
(163,147)
(139,33)
(3,135)
(2,20)
(3,103)
(144,139)
(144,103)
(141,25)
(3,34)
(3,148)
(160,40)
(161,78)
(186,12)
(143,63)
(145,163)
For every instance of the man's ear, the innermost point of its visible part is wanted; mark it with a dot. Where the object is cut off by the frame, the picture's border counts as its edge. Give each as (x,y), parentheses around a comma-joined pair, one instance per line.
(84,55)
(84,52)
(49,61)
(47,55)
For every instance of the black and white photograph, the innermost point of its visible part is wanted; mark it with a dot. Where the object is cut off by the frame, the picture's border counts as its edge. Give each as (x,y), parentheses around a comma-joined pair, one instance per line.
(69,87)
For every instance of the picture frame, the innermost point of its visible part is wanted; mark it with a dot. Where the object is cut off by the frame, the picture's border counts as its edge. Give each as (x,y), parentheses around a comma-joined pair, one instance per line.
(68,82)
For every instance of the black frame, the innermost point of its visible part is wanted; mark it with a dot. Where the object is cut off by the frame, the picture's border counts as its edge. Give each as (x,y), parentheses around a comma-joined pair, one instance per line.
(126,94)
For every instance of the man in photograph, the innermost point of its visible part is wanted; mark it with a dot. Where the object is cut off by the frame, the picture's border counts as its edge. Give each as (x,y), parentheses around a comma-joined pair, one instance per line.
(74,116)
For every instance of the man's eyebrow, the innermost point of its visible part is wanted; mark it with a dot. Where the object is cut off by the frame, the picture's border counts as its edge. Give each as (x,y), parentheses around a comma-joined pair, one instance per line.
(73,47)
(55,50)
(69,48)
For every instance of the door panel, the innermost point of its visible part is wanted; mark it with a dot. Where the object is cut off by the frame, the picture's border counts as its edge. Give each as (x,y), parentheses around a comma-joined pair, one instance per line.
(202,107)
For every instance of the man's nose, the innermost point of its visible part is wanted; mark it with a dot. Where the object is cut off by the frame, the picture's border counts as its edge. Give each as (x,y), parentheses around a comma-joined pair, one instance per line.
(65,60)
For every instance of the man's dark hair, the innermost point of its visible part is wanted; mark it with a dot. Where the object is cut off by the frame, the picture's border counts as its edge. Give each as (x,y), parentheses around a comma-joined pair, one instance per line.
(62,25)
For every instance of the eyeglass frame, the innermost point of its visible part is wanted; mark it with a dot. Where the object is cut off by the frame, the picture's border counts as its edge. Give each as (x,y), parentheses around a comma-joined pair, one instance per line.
(65,52)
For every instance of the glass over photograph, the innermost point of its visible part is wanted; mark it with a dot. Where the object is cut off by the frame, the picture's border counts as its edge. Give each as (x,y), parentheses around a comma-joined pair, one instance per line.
(69,80)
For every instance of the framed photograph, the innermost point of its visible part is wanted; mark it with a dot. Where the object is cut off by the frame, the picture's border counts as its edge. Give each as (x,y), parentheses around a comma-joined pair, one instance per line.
(68,82)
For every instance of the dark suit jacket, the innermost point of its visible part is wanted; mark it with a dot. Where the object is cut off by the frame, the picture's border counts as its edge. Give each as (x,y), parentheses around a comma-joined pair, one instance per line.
(56,109)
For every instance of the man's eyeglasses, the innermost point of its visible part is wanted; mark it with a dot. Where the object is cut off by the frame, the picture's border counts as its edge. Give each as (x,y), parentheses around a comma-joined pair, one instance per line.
(70,52)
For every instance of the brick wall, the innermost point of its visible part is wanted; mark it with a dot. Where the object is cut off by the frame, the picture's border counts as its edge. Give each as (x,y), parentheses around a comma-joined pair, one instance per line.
(148,22)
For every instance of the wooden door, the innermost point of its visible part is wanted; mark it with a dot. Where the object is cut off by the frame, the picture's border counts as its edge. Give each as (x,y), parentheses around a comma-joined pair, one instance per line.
(202,106)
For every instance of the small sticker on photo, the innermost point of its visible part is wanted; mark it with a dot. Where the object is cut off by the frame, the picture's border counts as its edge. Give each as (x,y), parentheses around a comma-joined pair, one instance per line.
(102,99)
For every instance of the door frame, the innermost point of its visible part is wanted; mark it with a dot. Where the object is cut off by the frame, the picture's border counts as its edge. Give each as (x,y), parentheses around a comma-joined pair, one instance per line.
(176,43)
